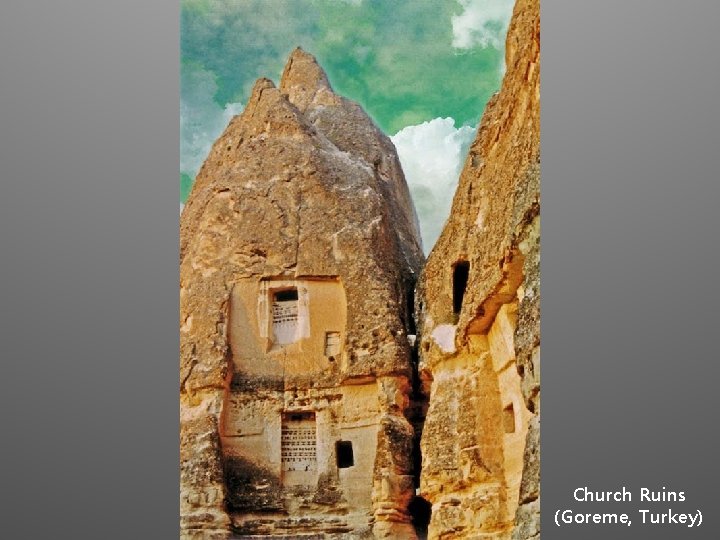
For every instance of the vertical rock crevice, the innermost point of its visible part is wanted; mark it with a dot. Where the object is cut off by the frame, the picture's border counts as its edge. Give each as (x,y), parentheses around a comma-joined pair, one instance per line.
(478,319)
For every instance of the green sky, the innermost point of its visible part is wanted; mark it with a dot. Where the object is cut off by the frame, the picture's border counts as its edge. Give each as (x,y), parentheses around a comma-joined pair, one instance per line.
(404,61)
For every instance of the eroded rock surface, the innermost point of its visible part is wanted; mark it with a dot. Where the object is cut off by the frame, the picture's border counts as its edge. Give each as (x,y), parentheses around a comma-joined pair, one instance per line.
(478,307)
(299,254)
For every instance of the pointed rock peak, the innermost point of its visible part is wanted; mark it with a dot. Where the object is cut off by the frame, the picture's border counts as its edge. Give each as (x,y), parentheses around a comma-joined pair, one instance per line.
(260,85)
(302,78)
(302,69)
(268,109)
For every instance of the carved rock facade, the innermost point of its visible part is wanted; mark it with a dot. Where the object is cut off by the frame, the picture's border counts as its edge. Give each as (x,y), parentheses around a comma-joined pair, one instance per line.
(478,308)
(301,408)
(299,256)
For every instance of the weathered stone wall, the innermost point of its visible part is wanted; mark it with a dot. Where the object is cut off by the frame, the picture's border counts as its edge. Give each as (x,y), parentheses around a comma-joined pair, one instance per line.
(478,312)
(300,191)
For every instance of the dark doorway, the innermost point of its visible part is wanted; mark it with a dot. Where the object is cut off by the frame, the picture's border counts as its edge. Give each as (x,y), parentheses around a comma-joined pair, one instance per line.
(461,272)
(344,454)
(420,510)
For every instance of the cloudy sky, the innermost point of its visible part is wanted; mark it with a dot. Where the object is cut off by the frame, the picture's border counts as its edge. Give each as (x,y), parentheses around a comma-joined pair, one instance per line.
(422,69)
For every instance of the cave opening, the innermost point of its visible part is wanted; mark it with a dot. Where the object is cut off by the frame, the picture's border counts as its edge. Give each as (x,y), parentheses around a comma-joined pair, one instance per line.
(420,511)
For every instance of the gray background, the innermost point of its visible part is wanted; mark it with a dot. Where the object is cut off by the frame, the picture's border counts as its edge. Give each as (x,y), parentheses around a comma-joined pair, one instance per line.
(630,188)
(89,107)
(88,225)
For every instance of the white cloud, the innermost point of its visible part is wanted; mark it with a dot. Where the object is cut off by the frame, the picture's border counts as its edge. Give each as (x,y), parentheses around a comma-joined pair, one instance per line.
(432,155)
(202,120)
(482,23)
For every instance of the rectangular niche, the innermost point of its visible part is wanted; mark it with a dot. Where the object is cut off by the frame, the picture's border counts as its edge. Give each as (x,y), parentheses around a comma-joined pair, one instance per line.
(509,419)
(288,326)
(332,344)
(299,446)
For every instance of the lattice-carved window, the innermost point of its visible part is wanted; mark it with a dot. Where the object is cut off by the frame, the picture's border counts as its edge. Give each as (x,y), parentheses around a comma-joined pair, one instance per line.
(285,316)
(299,442)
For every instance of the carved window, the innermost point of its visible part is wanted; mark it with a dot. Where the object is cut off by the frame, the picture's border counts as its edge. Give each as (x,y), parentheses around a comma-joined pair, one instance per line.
(344,454)
(285,316)
(299,442)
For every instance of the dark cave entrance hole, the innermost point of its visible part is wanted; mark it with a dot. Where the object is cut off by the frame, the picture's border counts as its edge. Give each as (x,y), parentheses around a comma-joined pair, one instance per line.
(420,511)
(461,272)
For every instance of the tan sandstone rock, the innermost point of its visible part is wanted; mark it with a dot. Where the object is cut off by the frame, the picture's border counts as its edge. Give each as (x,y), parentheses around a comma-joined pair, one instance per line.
(299,255)
(478,312)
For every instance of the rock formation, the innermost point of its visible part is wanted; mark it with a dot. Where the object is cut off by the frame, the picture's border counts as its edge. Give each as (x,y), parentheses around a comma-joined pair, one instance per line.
(478,311)
(299,256)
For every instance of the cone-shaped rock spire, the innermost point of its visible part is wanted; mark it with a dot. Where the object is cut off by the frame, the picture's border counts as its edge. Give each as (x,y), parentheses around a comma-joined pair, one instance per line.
(299,255)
